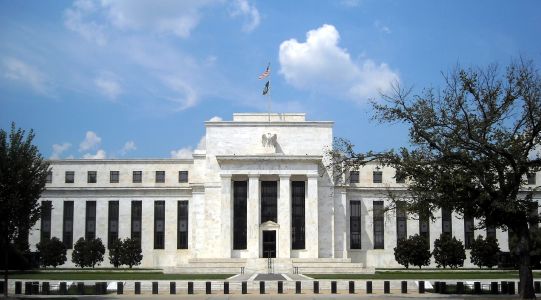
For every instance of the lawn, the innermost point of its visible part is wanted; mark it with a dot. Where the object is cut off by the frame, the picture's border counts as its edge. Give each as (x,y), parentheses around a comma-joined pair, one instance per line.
(104,275)
(397,275)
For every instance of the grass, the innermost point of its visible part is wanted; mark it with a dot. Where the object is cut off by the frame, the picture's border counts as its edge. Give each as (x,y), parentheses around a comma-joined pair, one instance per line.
(104,275)
(389,275)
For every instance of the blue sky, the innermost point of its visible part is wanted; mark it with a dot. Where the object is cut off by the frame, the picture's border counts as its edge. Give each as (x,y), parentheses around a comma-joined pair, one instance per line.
(134,78)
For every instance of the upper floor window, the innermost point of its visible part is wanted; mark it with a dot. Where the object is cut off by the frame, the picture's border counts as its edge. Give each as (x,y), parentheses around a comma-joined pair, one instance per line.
(92,176)
(70,176)
(160,176)
(531,178)
(377,177)
(137,176)
(354,177)
(114,176)
(182,176)
(49,178)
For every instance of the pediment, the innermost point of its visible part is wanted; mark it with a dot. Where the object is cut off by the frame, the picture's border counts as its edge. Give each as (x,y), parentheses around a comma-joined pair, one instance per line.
(269,225)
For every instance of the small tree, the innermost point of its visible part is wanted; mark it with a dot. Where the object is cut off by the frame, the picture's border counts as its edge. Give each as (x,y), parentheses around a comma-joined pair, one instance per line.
(484,252)
(448,251)
(88,253)
(115,253)
(131,252)
(52,252)
(413,251)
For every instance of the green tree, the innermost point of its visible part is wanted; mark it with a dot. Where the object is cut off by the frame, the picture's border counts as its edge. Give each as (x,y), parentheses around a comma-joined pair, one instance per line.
(472,143)
(52,252)
(131,252)
(485,252)
(115,253)
(23,173)
(448,251)
(88,253)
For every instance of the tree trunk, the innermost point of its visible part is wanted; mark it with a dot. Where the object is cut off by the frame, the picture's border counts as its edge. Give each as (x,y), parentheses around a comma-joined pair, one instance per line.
(525,271)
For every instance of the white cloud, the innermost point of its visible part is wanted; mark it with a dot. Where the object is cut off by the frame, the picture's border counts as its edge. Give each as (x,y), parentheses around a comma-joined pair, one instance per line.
(382,27)
(75,19)
(319,64)
(108,85)
(216,119)
(17,70)
(100,154)
(182,153)
(128,146)
(91,141)
(58,149)
(244,8)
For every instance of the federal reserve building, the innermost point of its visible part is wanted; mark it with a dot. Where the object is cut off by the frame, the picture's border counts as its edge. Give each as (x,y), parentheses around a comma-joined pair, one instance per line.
(258,192)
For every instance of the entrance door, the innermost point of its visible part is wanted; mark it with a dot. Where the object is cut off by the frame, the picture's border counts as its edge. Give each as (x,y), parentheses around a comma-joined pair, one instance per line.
(269,243)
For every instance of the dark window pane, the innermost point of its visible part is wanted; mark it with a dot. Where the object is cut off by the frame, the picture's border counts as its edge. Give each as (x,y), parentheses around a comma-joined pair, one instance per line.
(70,176)
(182,176)
(377,177)
(182,217)
(92,177)
(159,224)
(240,194)
(46,208)
(378,215)
(114,176)
(269,196)
(160,176)
(297,215)
(137,176)
(90,220)
(67,225)
(354,177)
(355,224)
(112,234)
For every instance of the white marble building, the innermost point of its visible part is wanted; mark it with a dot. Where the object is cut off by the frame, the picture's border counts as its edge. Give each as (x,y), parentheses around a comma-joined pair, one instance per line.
(258,190)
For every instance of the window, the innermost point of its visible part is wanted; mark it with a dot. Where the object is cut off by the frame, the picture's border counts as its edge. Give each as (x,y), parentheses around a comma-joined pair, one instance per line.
(137,176)
(49,178)
(378,215)
(112,234)
(67,225)
(297,214)
(269,196)
(114,176)
(70,176)
(90,220)
(45,220)
(424,227)
(136,218)
(377,177)
(446,221)
(182,176)
(531,178)
(401,221)
(400,177)
(160,176)
(240,195)
(468,231)
(354,177)
(355,224)
(491,231)
(159,224)
(182,217)
(92,177)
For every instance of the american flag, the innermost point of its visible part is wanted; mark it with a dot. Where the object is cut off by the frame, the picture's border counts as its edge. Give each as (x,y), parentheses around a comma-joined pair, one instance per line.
(265,74)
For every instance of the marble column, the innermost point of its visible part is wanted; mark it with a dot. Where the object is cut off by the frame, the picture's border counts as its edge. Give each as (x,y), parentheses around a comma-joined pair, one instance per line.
(284,218)
(226,216)
(312,222)
(253,216)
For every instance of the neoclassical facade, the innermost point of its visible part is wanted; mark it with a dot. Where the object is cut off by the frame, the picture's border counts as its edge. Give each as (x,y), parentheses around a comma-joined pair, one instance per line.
(258,190)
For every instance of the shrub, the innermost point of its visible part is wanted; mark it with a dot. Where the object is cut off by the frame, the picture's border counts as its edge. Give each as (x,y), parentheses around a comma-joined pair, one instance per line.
(88,253)
(448,251)
(485,252)
(413,251)
(115,253)
(52,252)
(131,252)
